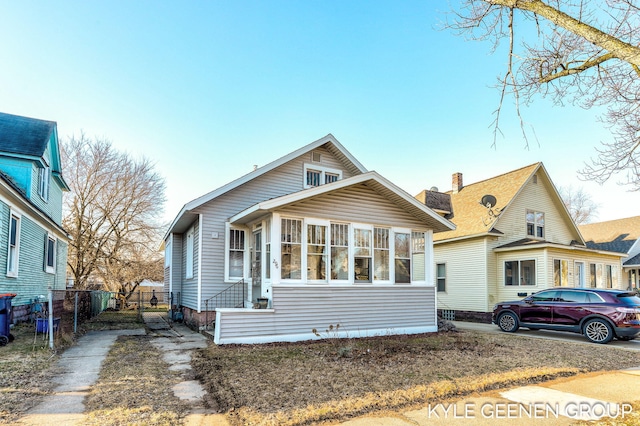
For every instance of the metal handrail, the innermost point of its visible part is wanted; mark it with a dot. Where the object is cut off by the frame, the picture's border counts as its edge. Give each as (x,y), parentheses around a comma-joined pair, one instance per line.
(231,297)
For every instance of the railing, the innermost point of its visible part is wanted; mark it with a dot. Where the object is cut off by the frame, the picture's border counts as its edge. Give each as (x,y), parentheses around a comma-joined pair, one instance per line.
(231,297)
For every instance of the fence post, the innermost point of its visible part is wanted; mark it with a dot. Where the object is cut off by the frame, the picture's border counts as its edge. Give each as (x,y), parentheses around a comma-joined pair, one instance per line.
(50,318)
(75,313)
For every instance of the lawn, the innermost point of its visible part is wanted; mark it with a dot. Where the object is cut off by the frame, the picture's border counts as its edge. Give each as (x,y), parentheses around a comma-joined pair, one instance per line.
(336,379)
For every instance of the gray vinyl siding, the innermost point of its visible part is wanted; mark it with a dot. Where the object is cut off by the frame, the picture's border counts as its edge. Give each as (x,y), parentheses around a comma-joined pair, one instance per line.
(189,291)
(359,310)
(283,180)
(353,204)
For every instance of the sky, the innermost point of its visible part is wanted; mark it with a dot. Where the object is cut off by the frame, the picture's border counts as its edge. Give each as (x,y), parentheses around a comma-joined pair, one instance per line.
(208,89)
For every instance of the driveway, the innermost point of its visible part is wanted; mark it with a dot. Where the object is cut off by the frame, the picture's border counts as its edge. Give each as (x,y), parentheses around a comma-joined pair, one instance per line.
(633,345)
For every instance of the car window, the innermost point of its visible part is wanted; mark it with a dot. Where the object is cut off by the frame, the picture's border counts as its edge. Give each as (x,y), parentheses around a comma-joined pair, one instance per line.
(594,298)
(574,296)
(629,298)
(545,296)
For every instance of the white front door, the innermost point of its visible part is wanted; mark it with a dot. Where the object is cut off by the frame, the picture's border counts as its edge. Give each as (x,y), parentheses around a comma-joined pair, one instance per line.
(256,266)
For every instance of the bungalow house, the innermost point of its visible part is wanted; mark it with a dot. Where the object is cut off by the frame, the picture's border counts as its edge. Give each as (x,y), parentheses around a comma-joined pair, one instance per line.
(31,233)
(621,235)
(513,237)
(314,240)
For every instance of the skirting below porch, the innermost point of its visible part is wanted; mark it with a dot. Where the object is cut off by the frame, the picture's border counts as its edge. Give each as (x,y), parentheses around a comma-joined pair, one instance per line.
(360,311)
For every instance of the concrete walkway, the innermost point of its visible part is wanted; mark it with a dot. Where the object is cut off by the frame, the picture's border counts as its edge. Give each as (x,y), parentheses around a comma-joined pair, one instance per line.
(79,368)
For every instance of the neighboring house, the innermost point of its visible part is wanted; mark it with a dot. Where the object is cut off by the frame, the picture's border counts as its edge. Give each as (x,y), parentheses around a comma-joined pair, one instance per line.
(323,240)
(513,237)
(622,235)
(31,233)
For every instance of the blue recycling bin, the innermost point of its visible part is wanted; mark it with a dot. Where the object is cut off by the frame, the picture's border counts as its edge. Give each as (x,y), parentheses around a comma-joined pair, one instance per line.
(5,317)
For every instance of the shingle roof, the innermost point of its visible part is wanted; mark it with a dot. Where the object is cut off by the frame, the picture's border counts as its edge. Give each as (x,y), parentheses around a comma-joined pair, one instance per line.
(24,135)
(613,235)
(469,216)
(634,261)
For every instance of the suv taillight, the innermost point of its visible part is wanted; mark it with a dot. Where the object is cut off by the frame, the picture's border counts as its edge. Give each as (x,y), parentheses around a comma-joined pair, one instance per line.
(629,310)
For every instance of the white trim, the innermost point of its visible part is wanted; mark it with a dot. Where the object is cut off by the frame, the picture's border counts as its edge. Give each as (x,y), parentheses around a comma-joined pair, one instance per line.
(323,172)
(310,336)
(199,295)
(10,272)
(189,249)
(50,269)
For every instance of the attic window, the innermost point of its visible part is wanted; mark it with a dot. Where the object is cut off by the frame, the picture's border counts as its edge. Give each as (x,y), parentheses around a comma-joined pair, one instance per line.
(316,157)
(316,176)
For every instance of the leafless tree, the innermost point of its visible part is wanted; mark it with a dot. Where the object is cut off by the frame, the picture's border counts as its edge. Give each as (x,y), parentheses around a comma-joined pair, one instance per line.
(112,213)
(585,52)
(579,204)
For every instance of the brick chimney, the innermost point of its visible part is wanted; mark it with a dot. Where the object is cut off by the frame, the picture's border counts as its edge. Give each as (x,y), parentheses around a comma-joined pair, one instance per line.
(456,182)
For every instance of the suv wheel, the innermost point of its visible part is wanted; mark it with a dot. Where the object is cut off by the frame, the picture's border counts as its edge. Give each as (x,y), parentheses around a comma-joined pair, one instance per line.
(508,322)
(598,331)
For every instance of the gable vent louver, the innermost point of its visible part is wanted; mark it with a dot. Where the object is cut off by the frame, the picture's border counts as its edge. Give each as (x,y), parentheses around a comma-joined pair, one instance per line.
(316,157)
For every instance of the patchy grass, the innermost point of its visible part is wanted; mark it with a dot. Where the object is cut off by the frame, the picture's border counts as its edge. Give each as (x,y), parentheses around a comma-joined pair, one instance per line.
(134,387)
(308,382)
(26,367)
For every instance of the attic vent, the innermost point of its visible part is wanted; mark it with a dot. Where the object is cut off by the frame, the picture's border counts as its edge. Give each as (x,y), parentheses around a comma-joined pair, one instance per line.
(535,178)
(316,157)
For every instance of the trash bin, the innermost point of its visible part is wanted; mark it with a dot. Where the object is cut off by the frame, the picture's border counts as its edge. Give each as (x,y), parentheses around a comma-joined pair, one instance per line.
(5,318)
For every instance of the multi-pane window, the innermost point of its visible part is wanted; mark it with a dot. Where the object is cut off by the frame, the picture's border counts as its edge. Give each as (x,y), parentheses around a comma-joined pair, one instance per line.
(535,224)
(50,255)
(236,253)
(267,247)
(417,256)
(520,272)
(315,175)
(44,179)
(330,177)
(339,251)
(441,277)
(189,259)
(599,282)
(14,245)
(381,254)
(592,275)
(560,272)
(402,245)
(291,247)
(316,252)
(362,254)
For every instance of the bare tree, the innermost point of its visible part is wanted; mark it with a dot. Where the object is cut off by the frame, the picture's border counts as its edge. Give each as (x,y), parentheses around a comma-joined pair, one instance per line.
(112,214)
(579,204)
(585,52)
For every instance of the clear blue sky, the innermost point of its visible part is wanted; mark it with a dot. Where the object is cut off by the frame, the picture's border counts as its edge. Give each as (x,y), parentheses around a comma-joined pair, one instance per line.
(207,89)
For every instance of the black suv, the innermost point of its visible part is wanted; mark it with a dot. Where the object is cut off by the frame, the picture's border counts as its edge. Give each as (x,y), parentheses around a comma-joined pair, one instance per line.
(599,314)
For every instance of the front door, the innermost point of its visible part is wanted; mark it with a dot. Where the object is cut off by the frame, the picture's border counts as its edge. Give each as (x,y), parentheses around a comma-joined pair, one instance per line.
(580,274)
(256,266)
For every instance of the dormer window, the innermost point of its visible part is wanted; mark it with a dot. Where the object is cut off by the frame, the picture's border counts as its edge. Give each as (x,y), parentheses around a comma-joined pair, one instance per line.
(316,176)
(535,224)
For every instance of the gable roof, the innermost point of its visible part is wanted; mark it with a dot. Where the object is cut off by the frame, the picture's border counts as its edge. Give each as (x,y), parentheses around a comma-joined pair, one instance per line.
(613,235)
(371,179)
(184,218)
(24,136)
(471,217)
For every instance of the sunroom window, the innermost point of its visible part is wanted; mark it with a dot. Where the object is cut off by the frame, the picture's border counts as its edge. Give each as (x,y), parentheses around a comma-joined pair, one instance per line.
(339,251)
(291,240)
(403,257)
(381,254)
(362,255)
(316,252)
